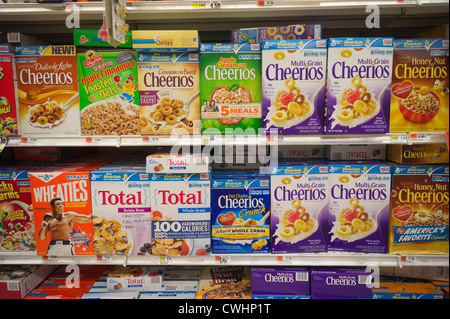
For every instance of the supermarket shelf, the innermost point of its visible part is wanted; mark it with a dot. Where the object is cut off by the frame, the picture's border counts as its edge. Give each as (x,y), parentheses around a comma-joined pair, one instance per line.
(225,140)
(318,259)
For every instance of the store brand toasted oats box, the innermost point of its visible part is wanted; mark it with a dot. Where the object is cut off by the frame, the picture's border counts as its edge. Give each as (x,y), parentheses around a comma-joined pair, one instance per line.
(299,207)
(169,93)
(230,81)
(420,86)
(47,80)
(359,206)
(358,86)
(9,104)
(293,84)
(419,210)
(62,212)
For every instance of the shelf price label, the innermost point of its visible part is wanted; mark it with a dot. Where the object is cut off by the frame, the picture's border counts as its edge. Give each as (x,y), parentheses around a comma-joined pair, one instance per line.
(3,142)
(206,4)
(266,3)
(284,260)
(222,260)
(165,260)
(103,259)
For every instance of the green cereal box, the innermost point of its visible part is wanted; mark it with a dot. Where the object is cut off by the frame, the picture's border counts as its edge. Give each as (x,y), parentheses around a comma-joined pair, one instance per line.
(109,98)
(94,38)
(230,81)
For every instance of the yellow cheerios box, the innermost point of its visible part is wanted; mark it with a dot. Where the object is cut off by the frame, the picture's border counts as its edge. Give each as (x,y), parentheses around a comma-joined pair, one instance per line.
(165,41)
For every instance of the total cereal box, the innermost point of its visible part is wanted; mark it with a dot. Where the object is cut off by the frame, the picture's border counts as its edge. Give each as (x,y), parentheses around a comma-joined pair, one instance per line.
(9,104)
(359,85)
(419,210)
(299,207)
(48,90)
(359,206)
(420,86)
(121,212)
(181,214)
(293,80)
(62,212)
(135,279)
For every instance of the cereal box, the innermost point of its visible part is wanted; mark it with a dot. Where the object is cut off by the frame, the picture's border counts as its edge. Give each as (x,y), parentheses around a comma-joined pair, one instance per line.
(420,86)
(181,214)
(355,152)
(9,105)
(288,32)
(109,99)
(418,153)
(169,93)
(48,90)
(16,213)
(280,280)
(240,212)
(359,207)
(419,210)
(230,81)
(92,38)
(62,212)
(135,279)
(165,40)
(293,80)
(299,207)
(225,283)
(405,290)
(358,86)
(301,151)
(162,163)
(121,212)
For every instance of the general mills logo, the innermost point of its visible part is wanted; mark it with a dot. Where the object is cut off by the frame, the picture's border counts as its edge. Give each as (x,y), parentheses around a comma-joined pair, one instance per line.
(46,177)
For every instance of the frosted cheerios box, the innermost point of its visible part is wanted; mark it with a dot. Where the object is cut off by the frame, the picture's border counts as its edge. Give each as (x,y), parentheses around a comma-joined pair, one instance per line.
(293,80)
(359,206)
(358,87)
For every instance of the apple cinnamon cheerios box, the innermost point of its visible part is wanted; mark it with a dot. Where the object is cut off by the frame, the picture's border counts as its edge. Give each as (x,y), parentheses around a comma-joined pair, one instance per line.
(420,86)
(359,85)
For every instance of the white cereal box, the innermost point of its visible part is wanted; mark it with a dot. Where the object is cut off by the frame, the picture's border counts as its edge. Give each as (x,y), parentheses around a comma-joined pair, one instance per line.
(164,163)
(355,152)
(135,278)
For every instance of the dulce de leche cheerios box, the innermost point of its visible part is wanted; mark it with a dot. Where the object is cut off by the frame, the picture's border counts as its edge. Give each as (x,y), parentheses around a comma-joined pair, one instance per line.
(359,206)
(48,90)
(62,212)
(359,85)
(293,80)
(420,86)
(169,93)
(299,207)
(9,105)
(419,210)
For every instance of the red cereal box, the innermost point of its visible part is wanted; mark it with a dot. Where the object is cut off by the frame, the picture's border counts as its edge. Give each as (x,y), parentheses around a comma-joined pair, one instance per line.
(62,212)
(8,97)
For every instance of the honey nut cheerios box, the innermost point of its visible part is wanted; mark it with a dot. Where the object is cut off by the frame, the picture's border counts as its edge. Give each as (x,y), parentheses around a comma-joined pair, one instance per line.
(9,104)
(293,80)
(419,210)
(169,89)
(47,83)
(359,206)
(62,212)
(359,85)
(420,86)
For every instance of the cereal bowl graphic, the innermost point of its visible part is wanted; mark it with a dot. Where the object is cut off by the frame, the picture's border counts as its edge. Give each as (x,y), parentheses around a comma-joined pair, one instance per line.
(110,237)
(235,94)
(48,114)
(420,106)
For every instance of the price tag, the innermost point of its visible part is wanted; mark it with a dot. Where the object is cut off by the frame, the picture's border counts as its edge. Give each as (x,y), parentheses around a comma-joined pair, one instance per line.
(420,138)
(284,260)
(408,260)
(28,140)
(266,3)
(401,138)
(207,4)
(49,259)
(93,140)
(222,260)
(165,260)
(103,259)
(3,142)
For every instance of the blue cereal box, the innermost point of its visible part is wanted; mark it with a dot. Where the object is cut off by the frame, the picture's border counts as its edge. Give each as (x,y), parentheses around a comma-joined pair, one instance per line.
(240,212)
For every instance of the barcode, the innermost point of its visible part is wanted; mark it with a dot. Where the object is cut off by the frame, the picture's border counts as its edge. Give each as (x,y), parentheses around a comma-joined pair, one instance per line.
(301,276)
(155,280)
(13,37)
(364,280)
(13,286)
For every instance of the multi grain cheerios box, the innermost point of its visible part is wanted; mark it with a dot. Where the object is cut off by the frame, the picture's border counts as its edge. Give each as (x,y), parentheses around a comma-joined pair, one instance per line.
(240,214)
(48,90)
(121,212)
(420,86)
(9,104)
(359,85)
(288,32)
(359,206)
(230,95)
(293,80)
(419,210)
(109,99)
(299,207)
(181,214)
(169,93)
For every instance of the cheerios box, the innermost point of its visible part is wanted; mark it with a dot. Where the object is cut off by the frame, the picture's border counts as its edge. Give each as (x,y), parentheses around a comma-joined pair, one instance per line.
(47,81)
(419,210)
(230,95)
(181,214)
(293,86)
(165,40)
(288,32)
(9,104)
(359,85)
(359,206)
(240,212)
(169,89)
(280,280)
(405,290)
(420,86)
(299,207)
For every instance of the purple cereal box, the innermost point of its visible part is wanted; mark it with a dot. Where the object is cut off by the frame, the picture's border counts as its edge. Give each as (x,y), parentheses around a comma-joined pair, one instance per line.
(358,86)
(341,282)
(288,32)
(280,280)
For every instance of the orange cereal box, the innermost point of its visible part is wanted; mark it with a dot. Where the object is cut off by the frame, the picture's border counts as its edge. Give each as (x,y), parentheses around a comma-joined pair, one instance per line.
(420,86)
(62,212)
(48,90)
